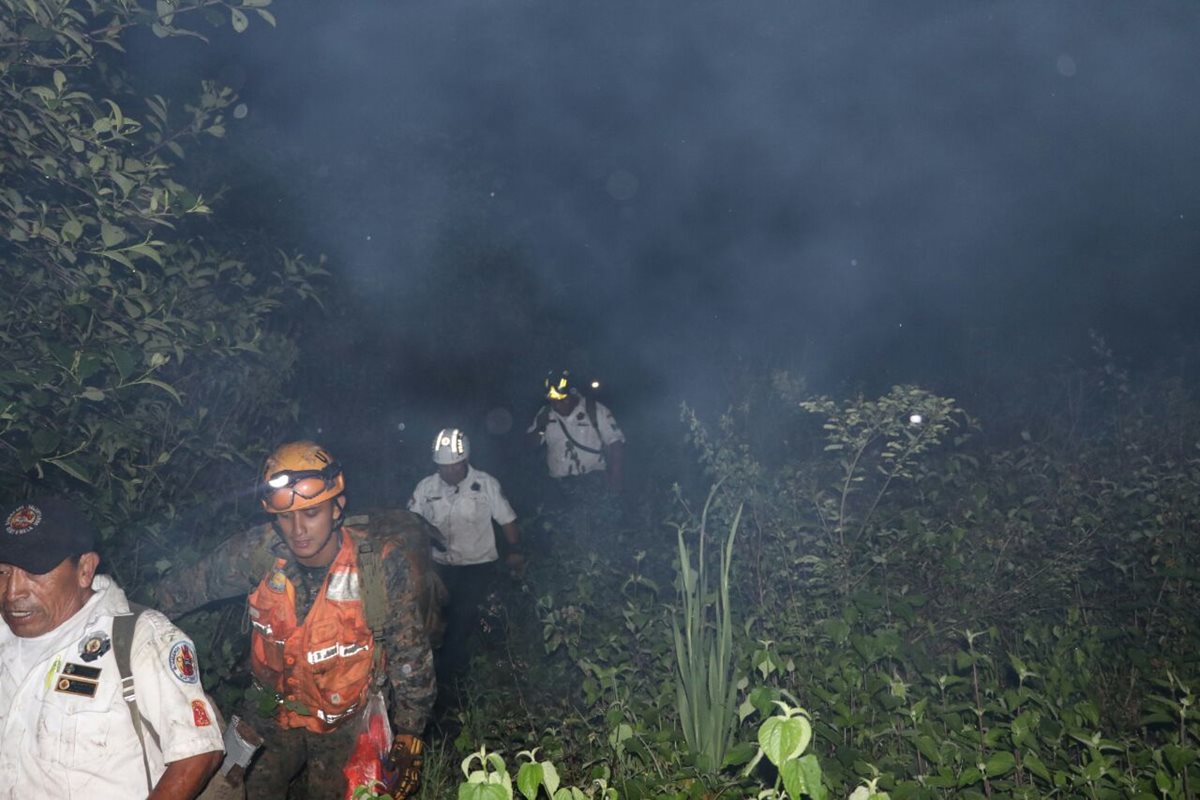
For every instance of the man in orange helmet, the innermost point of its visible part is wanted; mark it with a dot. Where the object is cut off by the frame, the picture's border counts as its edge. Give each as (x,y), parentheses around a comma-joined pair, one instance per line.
(336,613)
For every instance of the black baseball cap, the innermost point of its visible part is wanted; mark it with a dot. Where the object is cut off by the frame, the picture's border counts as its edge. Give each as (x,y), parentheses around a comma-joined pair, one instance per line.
(39,533)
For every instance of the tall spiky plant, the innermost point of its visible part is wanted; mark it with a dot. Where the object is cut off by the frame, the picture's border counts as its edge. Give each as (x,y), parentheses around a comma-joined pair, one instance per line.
(704,687)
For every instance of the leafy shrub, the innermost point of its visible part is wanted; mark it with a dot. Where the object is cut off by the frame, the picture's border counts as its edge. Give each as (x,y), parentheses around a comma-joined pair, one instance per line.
(141,355)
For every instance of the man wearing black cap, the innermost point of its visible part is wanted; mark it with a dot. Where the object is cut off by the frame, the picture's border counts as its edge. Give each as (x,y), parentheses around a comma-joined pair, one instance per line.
(66,725)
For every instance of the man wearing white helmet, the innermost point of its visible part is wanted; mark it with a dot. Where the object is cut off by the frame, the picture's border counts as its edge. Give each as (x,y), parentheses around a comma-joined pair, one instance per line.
(462,502)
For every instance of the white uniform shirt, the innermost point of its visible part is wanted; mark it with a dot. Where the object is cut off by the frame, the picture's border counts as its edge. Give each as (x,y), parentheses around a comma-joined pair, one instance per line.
(563,457)
(65,726)
(464,514)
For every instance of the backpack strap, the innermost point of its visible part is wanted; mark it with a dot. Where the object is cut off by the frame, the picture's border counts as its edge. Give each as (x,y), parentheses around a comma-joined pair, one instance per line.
(375,599)
(589,405)
(122,636)
(261,560)
(263,557)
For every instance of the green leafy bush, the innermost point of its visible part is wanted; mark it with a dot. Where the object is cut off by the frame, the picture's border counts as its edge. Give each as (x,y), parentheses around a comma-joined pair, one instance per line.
(142,356)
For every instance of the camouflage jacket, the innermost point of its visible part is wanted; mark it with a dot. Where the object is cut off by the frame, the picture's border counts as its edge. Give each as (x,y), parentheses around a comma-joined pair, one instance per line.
(414,595)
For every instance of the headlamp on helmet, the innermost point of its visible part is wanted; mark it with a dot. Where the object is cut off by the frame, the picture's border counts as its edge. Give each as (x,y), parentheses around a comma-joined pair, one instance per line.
(450,447)
(300,475)
(558,385)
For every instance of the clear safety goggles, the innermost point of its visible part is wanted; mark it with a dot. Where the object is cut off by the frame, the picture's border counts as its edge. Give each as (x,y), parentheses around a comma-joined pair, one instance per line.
(279,492)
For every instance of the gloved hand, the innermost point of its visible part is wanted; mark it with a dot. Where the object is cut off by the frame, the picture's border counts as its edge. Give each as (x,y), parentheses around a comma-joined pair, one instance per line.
(407,756)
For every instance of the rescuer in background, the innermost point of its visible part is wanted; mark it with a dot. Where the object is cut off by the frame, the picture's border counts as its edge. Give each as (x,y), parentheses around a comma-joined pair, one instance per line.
(336,612)
(462,502)
(581,435)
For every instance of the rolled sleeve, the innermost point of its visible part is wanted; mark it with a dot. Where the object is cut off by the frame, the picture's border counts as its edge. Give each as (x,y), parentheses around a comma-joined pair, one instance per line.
(166,674)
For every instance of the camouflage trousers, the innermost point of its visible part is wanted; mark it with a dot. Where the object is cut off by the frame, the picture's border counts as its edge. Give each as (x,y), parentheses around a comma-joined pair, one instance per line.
(286,754)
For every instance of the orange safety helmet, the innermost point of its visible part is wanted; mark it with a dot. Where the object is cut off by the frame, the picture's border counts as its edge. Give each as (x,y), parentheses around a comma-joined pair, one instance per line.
(300,475)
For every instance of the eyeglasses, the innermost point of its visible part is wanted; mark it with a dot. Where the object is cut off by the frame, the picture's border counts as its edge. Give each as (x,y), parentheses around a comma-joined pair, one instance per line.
(280,491)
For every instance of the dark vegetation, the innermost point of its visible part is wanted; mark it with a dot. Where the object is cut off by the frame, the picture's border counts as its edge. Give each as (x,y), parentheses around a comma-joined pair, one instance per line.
(808,595)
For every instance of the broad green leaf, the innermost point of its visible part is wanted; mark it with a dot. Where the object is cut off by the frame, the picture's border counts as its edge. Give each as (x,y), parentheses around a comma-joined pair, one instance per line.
(72,229)
(529,779)
(739,754)
(793,778)
(1000,763)
(802,776)
(550,777)
(238,18)
(111,235)
(166,387)
(124,362)
(148,251)
(45,441)
(782,738)
(482,791)
(92,393)
(71,468)
(1035,765)
(117,116)
(125,183)
(1179,757)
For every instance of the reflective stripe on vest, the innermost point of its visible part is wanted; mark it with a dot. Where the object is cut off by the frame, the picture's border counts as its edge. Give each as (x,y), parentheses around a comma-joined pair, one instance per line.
(323,665)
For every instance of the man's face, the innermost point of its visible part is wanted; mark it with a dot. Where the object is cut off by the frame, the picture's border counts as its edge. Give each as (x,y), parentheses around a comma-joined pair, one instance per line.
(453,473)
(309,532)
(564,406)
(36,604)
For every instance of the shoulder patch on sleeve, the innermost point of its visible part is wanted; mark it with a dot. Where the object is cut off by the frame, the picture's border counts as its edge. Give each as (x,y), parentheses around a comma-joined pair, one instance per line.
(183,662)
(200,716)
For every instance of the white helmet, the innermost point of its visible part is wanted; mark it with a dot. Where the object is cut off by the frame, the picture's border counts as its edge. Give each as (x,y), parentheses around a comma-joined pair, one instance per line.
(450,447)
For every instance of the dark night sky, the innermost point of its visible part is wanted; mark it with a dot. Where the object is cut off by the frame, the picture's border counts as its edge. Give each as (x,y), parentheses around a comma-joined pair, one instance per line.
(870,192)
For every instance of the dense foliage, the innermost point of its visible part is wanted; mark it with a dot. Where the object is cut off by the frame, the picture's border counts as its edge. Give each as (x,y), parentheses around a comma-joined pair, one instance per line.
(951,617)
(898,601)
(140,348)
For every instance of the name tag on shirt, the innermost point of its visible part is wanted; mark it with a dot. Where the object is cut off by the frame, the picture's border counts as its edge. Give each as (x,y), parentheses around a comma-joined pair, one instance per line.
(78,679)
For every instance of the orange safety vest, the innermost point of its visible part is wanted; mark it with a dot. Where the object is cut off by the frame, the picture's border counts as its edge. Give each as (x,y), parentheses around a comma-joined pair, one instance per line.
(324,663)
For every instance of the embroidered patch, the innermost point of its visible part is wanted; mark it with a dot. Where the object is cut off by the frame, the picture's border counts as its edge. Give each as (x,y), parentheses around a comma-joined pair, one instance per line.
(22,520)
(200,714)
(183,662)
(278,581)
(94,645)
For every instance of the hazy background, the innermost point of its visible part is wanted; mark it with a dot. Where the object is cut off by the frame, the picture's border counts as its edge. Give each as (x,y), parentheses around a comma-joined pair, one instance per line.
(672,195)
